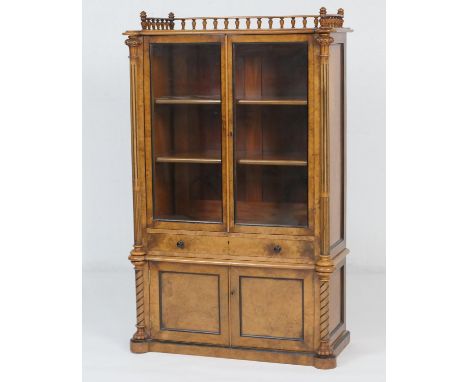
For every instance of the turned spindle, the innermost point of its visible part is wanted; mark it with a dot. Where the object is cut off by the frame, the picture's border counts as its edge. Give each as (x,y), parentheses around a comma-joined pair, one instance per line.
(171,20)
(259,22)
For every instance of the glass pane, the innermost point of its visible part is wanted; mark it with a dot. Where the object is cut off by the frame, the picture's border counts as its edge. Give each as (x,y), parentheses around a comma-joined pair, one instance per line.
(186,70)
(271,195)
(271,132)
(270,125)
(270,71)
(188,192)
(186,132)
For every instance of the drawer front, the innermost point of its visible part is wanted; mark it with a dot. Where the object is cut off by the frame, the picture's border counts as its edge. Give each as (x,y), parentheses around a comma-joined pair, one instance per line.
(176,244)
(271,248)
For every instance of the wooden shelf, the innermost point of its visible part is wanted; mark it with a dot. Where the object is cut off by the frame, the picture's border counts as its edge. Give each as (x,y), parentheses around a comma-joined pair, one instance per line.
(187,101)
(188,158)
(273,162)
(269,159)
(266,102)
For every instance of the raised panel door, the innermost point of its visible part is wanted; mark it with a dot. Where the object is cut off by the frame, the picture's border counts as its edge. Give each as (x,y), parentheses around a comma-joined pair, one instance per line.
(272,308)
(189,303)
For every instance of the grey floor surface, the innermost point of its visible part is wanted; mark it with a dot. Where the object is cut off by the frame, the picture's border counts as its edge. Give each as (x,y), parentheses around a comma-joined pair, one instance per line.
(109,318)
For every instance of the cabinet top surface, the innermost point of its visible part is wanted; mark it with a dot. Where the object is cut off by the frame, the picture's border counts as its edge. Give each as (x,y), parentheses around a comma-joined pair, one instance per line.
(320,23)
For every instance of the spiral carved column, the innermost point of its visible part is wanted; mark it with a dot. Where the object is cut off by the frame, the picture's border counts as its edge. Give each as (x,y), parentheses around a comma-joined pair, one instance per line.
(324,301)
(324,267)
(140,300)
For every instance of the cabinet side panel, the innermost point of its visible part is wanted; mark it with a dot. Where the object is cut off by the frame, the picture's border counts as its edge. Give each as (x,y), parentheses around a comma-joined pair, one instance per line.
(337,300)
(337,170)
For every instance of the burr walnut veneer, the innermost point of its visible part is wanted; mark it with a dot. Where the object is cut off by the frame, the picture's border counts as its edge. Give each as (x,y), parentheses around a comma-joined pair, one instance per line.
(238,151)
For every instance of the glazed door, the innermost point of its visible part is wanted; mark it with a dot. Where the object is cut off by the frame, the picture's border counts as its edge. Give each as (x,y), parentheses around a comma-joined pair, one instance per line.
(272,308)
(271,128)
(185,132)
(189,303)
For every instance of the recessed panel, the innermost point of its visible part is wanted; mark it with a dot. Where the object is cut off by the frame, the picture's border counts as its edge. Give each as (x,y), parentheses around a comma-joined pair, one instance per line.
(337,147)
(189,302)
(271,308)
(336,309)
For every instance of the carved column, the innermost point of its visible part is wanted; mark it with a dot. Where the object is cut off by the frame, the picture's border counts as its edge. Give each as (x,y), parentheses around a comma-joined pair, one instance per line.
(137,136)
(324,267)
(140,300)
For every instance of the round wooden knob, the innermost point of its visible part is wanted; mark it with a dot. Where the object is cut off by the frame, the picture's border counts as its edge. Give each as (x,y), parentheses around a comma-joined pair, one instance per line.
(277,248)
(180,244)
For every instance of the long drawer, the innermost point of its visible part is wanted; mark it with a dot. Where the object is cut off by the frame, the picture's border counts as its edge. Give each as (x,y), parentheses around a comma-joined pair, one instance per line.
(271,248)
(180,244)
(230,247)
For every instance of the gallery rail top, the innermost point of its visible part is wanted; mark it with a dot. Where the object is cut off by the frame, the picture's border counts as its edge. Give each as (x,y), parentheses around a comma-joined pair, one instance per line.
(322,21)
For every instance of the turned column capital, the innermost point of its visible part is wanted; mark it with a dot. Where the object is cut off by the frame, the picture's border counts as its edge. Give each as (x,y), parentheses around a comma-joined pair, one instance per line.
(324,40)
(134,43)
(324,268)
(137,252)
(138,262)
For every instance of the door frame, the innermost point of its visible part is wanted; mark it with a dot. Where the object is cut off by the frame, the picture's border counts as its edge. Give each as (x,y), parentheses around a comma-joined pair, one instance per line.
(313,120)
(183,39)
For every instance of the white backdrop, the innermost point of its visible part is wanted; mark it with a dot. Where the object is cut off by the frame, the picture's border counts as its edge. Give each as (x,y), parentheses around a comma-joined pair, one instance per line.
(107,199)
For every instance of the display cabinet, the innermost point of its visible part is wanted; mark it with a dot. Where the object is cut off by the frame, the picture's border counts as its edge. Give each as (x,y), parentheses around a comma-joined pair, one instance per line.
(238,152)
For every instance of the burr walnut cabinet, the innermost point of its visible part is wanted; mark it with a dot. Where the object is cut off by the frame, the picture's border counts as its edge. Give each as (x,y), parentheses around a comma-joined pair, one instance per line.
(238,150)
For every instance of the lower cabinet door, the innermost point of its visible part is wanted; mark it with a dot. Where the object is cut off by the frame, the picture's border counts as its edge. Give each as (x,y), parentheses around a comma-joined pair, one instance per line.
(189,303)
(272,308)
